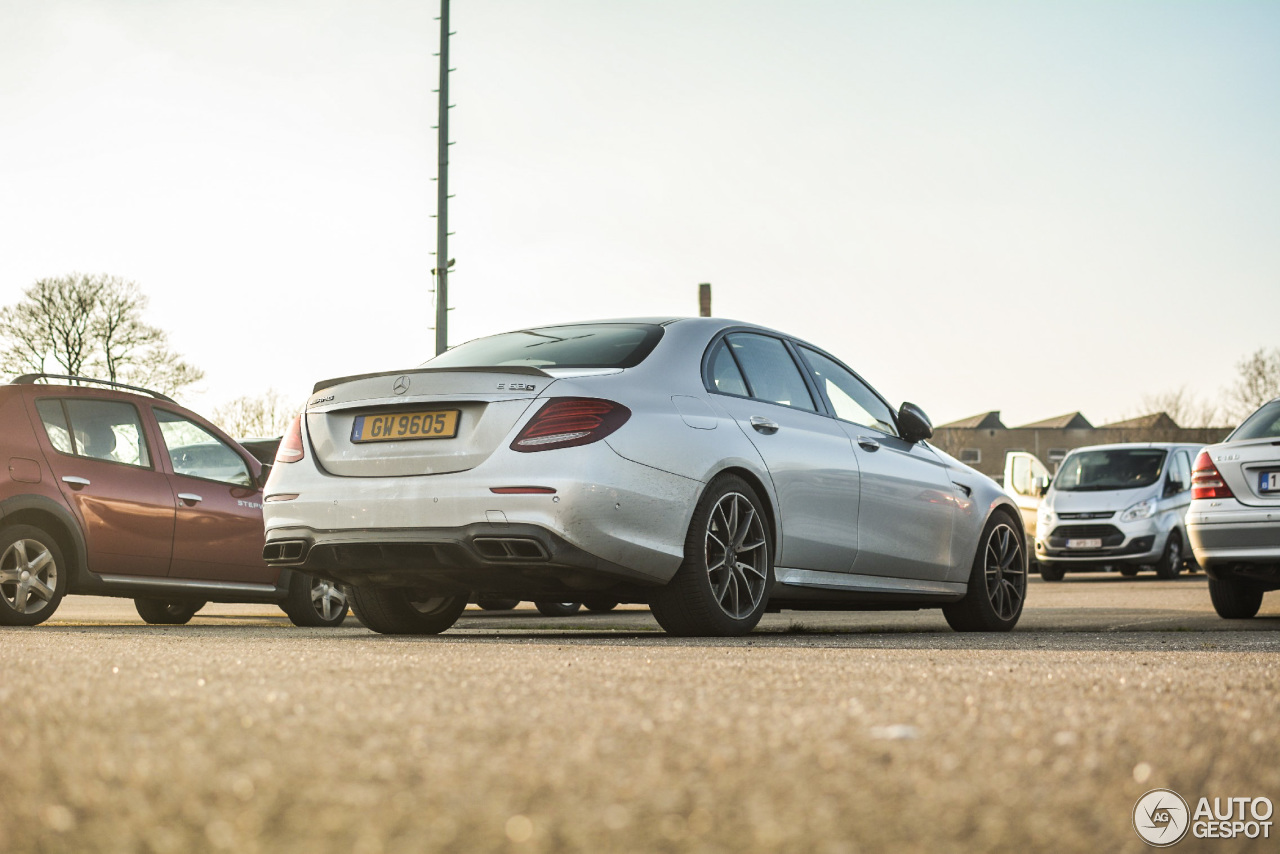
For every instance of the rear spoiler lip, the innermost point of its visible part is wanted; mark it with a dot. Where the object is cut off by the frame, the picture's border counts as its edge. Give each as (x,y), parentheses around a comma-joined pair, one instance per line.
(524,370)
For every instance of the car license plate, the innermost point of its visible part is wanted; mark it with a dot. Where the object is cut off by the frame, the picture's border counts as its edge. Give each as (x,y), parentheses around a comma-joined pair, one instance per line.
(1270,482)
(1095,543)
(401,426)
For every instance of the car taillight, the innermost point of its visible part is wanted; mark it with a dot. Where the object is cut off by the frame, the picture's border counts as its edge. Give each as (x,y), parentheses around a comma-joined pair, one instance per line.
(565,422)
(1206,480)
(290,450)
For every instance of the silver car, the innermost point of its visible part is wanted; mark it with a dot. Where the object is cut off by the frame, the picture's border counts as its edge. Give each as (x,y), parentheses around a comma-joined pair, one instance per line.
(712,469)
(1234,518)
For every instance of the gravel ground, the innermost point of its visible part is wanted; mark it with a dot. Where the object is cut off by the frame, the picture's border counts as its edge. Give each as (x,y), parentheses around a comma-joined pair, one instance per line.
(823,733)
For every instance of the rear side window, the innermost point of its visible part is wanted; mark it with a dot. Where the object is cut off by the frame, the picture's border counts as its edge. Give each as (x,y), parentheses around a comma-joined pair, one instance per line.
(588,345)
(769,370)
(97,429)
(725,375)
(195,452)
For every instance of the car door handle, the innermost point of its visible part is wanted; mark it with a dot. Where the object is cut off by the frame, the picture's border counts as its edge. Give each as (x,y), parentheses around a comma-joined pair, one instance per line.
(189,498)
(868,444)
(764,425)
(76,482)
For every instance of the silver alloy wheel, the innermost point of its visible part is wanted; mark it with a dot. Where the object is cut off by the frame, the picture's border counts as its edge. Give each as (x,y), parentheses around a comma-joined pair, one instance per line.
(28,576)
(433,605)
(1006,573)
(327,598)
(737,559)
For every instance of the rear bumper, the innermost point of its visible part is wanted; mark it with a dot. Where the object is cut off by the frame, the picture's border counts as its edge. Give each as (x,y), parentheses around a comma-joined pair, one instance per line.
(602,520)
(1228,540)
(515,560)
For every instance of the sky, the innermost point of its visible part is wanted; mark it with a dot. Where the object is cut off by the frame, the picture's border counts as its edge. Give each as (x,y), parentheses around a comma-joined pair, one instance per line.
(1028,207)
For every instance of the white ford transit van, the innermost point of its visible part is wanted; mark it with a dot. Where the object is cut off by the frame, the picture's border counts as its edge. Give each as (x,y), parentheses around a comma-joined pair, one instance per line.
(1117,504)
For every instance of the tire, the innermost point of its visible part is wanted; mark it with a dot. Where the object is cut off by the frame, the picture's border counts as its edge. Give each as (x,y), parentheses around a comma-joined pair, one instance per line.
(1129,570)
(1052,571)
(164,612)
(558,609)
(1234,599)
(591,603)
(314,602)
(405,611)
(33,576)
(997,582)
(1170,563)
(497,604)
(722,587)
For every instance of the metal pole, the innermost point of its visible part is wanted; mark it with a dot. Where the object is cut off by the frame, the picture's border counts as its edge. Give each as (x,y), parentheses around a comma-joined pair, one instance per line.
(704,299)
(442,191)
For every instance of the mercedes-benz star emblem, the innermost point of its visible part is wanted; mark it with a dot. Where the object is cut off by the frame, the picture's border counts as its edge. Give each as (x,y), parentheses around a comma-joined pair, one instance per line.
(401,386)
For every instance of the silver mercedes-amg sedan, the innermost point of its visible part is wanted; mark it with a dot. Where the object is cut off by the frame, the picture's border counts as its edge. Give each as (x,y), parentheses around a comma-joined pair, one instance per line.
(711,469)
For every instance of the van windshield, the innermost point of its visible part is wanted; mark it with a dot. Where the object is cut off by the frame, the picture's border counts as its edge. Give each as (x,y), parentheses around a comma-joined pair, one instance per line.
(585,345)
(1117,468)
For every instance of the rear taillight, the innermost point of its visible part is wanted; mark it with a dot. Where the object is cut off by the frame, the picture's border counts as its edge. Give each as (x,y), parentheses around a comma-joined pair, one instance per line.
(290,450)
(1206,480)
(565,422)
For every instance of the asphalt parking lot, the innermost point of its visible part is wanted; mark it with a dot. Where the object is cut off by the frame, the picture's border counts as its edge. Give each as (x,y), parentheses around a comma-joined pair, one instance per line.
(821,732)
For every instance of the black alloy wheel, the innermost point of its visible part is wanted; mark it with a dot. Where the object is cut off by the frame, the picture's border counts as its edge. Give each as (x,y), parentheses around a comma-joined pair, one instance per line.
(722,588)
(997,582)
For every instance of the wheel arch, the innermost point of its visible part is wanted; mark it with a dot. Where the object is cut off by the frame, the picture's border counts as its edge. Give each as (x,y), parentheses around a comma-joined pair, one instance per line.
(57,521)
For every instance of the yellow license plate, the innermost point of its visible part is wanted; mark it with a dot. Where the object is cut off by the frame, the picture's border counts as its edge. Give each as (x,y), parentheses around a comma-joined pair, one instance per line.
(399,426)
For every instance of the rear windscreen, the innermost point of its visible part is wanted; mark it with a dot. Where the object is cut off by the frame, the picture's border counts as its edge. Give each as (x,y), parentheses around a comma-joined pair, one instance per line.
(1263,424)
(598,345)
(1120,468)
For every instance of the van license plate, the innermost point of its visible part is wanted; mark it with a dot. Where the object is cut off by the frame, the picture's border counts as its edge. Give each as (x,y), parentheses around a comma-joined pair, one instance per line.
(1270,482)
(1095,543)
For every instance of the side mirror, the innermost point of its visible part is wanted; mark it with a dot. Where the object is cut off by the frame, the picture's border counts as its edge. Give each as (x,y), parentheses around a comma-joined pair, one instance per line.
(1039,486)
(913,423)
(263,475)
(1172,487)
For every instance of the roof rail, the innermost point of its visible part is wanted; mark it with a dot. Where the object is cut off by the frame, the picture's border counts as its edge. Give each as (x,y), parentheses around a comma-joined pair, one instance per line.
(30,379)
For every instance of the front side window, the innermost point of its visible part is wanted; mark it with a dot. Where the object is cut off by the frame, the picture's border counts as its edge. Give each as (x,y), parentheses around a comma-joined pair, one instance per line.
(770,372)
(1120,468)
(586,345)
(195,452)
(98,429)
(850,397)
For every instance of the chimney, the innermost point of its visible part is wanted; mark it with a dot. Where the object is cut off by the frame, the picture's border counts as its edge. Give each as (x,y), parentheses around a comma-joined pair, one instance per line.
(704,299)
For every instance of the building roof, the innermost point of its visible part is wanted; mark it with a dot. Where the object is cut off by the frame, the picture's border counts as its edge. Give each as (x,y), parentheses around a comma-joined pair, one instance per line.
(1070,421)
(982,421)
(1154,421)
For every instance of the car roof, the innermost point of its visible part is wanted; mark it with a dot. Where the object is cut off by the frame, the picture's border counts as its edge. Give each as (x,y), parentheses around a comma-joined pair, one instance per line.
(1120,446)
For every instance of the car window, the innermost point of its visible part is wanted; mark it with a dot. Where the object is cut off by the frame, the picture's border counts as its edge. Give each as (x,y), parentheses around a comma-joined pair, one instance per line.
(55,425)
(769,370)
(196,452)
(1182,470)
(724,372)
(584,345)
(1021,476)
(1263,424)
(99,429)
(849,396)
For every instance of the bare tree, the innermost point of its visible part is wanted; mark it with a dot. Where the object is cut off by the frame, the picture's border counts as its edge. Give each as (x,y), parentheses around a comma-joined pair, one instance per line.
(1183,406)
(265,415)
(1258,382)
(90,326)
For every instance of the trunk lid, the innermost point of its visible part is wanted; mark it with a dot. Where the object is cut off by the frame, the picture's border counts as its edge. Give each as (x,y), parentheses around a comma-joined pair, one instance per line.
(1243,464)
(487,402)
